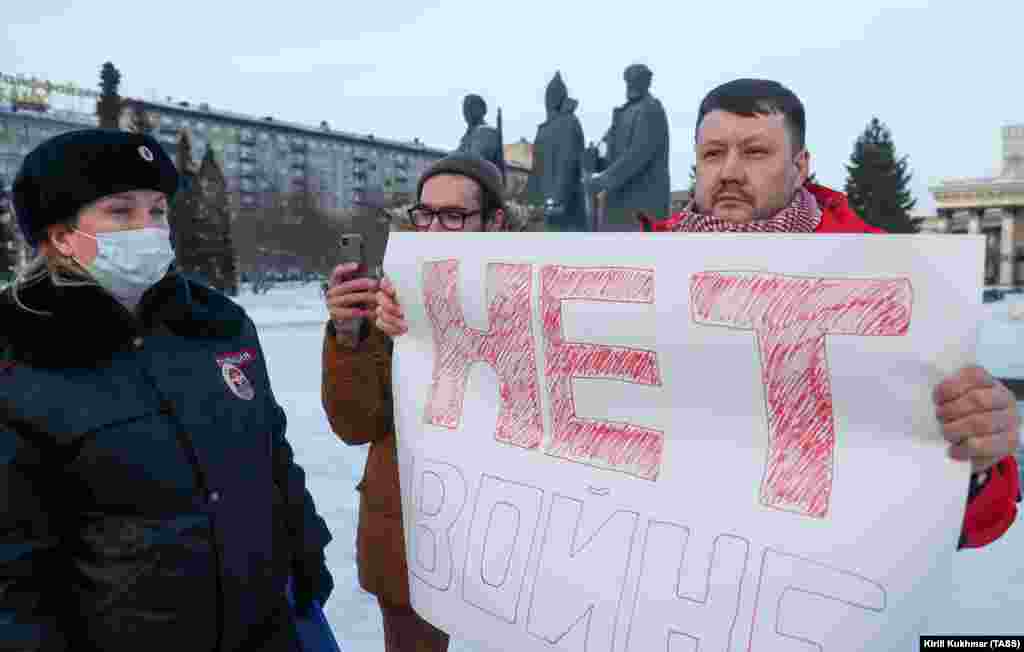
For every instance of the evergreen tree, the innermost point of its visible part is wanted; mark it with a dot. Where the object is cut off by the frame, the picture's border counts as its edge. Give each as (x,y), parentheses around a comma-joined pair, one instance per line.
(214,255)
(108,107)
(878,181)
(184,207)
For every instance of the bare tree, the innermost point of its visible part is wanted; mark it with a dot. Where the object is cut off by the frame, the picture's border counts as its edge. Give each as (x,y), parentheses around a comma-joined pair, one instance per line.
(291,230)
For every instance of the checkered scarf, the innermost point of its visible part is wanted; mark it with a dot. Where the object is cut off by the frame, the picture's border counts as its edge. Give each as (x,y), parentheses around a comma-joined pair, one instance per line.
(801,216)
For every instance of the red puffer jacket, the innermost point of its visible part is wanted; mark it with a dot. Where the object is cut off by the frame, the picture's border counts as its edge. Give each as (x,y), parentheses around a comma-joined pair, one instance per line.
(993,496)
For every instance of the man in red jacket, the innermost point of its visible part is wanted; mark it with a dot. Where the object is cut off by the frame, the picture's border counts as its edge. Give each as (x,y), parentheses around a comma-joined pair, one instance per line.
(752,169)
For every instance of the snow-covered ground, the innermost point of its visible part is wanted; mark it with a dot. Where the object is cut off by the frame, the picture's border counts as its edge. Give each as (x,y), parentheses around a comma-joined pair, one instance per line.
(988,593)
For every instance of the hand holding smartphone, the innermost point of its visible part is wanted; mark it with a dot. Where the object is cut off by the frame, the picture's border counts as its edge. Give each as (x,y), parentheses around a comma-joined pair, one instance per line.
(357,287)
(352,249)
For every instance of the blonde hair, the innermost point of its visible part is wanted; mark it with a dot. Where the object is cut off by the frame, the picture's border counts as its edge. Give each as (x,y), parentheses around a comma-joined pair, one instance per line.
(64,271)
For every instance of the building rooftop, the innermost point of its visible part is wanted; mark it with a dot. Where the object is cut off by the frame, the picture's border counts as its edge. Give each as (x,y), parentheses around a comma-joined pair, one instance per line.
(89,120)
(204,109)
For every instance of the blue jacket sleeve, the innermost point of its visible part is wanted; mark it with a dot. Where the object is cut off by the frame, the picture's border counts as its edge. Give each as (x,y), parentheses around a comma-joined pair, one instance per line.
(308,530)
(28,543)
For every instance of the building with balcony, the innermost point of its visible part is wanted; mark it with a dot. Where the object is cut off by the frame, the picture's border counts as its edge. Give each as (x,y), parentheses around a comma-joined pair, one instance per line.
(262,158)
(265,156)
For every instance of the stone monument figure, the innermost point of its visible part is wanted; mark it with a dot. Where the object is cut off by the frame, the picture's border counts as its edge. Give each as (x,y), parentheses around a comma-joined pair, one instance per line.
(634,174)
(556,180)
(480,138)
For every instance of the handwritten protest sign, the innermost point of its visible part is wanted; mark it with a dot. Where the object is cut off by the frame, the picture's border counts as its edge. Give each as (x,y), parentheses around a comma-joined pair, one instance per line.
(674,442)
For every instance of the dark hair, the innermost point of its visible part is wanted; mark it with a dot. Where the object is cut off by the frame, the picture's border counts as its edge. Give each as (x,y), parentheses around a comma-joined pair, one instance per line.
(489,204)
(750,97)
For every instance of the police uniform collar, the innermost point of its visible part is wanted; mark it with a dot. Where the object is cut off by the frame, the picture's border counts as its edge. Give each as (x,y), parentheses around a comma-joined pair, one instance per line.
(75,326)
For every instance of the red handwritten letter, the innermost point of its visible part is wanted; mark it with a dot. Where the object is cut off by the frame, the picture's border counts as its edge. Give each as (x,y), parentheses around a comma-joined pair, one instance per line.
(507,347)
(621,446)
(791,317)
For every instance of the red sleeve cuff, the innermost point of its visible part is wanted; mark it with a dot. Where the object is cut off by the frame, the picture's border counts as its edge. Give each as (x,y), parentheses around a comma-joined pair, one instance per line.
(991,512)
(651,224)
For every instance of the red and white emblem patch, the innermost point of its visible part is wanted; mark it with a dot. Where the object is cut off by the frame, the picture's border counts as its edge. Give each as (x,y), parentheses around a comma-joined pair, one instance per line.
(240,359)
(237,382)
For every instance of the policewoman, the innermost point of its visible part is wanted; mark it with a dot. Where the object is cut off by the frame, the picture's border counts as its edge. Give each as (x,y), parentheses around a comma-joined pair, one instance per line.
(149,498)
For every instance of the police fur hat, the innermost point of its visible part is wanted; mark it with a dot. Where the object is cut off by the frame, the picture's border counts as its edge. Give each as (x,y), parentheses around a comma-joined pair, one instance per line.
(480,170)
(67,172)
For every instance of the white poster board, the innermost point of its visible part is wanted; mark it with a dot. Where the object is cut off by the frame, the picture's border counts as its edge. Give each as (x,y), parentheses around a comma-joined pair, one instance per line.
(643,442)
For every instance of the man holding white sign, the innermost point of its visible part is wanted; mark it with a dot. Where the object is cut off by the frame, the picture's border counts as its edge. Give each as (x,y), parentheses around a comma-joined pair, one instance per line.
(751,458)
(752,170)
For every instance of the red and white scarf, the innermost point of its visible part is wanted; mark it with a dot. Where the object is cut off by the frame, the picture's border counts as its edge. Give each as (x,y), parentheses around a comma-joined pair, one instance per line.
(801,216)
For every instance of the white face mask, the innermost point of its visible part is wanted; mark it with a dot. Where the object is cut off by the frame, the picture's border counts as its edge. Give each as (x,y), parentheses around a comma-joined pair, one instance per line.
(130,262)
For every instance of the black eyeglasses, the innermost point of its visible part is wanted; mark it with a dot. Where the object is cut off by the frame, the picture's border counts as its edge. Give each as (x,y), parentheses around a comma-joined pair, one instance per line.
(452,219)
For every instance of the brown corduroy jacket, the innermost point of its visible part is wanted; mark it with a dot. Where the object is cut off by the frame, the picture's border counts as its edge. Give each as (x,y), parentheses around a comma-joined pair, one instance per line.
(356,395)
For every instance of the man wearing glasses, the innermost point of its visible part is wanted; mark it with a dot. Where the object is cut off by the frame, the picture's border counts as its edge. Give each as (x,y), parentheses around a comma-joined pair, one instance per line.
(460,193)
(457,193)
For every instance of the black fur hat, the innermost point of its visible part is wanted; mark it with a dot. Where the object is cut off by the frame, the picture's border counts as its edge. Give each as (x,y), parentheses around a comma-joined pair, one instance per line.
(66,172)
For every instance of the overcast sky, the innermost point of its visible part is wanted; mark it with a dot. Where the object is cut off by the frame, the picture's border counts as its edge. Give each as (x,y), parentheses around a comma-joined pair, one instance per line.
(944,76)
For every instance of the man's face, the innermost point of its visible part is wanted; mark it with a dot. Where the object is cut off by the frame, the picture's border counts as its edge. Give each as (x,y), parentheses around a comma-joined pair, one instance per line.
(746,167)
(457,195)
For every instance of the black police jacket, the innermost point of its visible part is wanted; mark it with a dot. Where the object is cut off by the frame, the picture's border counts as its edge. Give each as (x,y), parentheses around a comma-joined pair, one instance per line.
(149,498)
